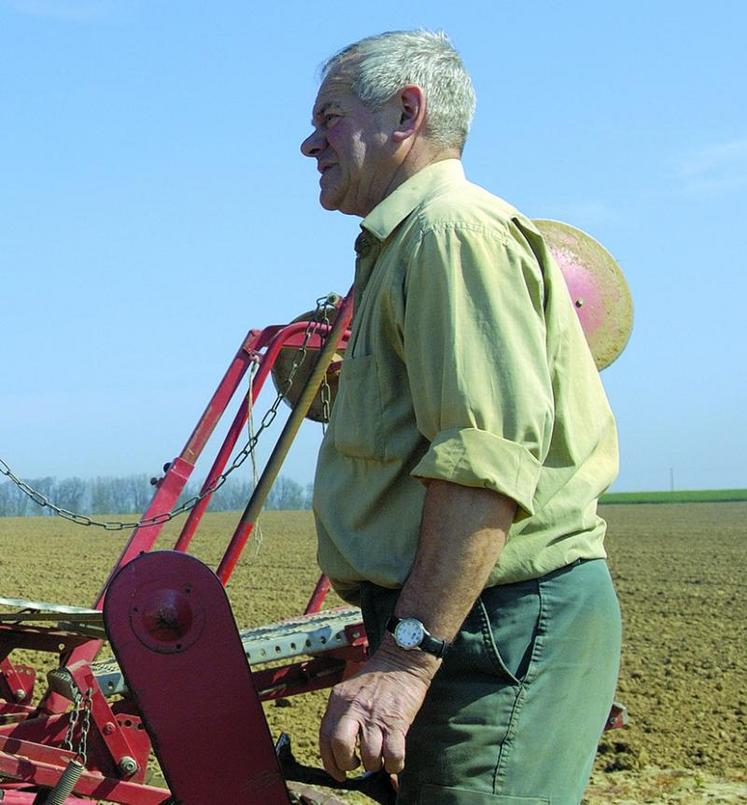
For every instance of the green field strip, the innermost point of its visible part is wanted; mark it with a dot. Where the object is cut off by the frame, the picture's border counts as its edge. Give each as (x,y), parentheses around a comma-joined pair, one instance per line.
(684,496)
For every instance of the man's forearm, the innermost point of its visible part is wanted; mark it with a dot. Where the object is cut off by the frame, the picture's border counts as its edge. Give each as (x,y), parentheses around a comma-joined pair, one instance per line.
(462,534)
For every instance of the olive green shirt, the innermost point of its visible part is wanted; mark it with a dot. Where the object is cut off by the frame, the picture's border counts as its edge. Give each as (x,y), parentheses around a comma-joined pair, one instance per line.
(466,363)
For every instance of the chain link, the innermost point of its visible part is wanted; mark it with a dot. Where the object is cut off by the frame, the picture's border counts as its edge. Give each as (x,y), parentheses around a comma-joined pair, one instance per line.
(67,743)
(325,393)
(320,317)
(85,725)
(79,714)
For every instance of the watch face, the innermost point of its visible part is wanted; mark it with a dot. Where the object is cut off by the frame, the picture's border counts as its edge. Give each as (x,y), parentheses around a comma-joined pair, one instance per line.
(408,633)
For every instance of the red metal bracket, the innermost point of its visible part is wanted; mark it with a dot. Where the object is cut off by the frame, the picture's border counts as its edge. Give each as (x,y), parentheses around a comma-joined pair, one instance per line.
(16,681)
(115,751)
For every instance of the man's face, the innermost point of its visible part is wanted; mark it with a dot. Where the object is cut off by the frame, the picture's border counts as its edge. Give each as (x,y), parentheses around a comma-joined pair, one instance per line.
(352,147)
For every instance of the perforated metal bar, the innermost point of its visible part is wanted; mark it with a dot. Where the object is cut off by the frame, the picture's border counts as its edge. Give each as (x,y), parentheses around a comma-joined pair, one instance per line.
(305,635)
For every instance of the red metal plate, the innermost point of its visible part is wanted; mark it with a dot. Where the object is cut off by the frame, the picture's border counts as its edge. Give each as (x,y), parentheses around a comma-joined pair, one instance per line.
(597,286)
(193,685)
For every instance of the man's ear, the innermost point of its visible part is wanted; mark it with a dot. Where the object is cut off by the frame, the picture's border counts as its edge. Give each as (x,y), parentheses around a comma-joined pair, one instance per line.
(411,105)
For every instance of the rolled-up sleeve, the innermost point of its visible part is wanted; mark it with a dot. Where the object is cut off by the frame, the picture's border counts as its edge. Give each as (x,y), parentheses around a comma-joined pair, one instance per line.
(474,345)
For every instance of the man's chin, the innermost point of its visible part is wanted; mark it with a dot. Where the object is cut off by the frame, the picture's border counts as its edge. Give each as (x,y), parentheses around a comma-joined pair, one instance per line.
(328,201)
(334,202)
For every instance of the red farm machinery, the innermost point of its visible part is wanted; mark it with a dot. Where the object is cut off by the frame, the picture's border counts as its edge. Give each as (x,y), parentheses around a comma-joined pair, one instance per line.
(87,736)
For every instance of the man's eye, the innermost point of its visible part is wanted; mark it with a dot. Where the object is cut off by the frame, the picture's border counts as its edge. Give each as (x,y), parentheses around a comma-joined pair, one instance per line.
(330,117)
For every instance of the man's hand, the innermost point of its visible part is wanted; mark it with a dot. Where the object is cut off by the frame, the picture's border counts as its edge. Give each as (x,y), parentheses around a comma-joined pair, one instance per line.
(461,537)
(371,712)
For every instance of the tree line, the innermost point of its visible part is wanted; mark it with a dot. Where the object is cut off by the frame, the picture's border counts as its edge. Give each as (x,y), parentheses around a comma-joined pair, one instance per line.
(131,494)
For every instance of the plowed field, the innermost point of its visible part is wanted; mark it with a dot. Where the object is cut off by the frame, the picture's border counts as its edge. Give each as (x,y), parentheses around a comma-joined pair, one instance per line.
(679,571)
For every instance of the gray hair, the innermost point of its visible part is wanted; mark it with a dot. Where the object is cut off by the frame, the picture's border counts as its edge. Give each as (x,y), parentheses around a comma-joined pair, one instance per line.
(379,66)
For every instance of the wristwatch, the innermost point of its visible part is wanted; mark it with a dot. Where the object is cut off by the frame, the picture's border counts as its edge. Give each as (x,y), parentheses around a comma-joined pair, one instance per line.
(409,634)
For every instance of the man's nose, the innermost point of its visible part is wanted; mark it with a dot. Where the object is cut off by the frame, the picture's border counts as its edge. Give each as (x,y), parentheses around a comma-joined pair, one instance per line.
(314,144)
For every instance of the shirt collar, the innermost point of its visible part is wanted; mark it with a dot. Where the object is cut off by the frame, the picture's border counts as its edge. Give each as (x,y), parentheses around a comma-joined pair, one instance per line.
(389,213)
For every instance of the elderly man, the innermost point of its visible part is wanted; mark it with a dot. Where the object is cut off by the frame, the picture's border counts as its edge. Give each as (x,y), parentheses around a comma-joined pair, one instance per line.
(457,483)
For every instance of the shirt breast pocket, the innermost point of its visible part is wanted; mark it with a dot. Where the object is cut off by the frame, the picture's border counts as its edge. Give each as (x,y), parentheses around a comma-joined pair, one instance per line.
(357,415)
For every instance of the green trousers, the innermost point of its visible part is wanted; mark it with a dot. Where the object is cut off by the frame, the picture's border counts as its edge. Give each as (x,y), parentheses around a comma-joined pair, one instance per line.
(514,714)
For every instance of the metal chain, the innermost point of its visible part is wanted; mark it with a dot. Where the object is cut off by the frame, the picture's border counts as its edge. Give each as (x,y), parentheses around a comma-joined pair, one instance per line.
(325,393)
(80,714)
(85,725)
(67,743)
(320,317)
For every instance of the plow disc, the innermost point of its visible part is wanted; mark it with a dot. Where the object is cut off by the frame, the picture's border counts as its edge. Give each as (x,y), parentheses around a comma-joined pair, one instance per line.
(597,286)
(285,374)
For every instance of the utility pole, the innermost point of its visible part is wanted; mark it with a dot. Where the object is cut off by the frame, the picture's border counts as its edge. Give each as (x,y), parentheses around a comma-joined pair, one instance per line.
(671,479)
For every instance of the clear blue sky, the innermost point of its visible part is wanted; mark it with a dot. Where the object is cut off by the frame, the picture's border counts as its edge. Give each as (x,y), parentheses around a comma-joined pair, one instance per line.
(154,206)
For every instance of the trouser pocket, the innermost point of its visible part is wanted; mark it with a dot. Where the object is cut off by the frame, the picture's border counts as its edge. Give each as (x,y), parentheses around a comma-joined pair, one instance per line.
(509,617)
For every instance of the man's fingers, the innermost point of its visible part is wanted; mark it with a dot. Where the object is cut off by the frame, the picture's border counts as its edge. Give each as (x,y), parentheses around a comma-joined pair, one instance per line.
(337,745)
(374,710)
(393,751)
(371,746)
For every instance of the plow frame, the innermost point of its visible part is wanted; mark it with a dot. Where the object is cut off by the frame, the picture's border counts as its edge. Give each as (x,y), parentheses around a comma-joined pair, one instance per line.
(33,757)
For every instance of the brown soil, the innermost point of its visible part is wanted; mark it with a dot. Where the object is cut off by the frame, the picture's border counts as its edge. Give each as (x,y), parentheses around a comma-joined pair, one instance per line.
(678,570)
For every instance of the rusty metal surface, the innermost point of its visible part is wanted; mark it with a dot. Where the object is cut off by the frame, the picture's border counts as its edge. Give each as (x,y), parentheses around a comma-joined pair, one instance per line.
(597,286)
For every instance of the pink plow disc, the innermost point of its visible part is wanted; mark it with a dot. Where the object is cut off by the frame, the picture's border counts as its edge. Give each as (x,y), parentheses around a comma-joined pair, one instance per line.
(597,286)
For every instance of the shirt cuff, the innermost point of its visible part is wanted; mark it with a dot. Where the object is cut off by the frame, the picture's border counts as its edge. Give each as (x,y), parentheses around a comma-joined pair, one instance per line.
(472,457)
